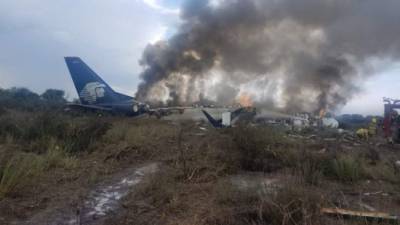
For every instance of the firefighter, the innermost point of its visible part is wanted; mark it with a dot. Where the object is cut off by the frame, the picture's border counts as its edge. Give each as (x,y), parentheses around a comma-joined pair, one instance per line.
(391,126)
(362,133)
(372,127)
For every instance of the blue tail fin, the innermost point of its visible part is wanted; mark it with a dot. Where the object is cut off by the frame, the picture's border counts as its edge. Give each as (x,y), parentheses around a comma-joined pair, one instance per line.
(91,88)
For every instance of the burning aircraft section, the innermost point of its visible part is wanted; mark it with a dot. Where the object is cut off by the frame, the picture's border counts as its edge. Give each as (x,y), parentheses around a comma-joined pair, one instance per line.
(304,55)
(245,94)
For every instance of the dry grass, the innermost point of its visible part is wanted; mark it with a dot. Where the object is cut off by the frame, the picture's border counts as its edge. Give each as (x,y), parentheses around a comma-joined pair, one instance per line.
(165,199)
(34,131)
(193,186)
(383,170)
(18,172)
(263,148)
(56,157)
(311,167)
(22,169)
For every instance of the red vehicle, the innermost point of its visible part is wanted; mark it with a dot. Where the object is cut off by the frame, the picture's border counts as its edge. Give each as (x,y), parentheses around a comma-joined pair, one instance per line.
(391,121)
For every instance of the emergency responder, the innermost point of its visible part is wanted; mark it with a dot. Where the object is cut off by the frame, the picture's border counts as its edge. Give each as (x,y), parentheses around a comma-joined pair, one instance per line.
(372,128)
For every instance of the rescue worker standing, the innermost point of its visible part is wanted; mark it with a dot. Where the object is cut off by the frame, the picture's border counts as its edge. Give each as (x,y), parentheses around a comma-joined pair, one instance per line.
(372,128)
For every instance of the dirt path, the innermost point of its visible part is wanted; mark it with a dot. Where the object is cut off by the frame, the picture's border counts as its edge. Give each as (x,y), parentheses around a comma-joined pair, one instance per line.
(102,201)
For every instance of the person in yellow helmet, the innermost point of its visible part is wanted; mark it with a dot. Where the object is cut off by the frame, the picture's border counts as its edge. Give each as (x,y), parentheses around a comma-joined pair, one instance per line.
(372,127)
(362,133)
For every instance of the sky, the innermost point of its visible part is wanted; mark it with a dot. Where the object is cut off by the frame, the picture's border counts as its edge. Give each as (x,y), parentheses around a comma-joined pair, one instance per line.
(110,37)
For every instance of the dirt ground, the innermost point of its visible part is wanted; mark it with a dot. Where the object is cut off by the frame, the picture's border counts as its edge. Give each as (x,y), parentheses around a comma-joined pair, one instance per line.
(241,175)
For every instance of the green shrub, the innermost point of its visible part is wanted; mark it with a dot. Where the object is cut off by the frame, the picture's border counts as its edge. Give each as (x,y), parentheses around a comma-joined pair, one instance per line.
(17,172)
(56,157)
(310,166)
(28,128)
(345,168)
(24,99)
(311,170)
(18,169)
(81,135)
(9,127)
(36,130)
(45,124)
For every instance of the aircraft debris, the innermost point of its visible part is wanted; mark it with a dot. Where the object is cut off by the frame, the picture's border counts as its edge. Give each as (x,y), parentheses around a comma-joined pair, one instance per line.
(359,214)
(203,128)
(376,193)
(330,122)
(229,118)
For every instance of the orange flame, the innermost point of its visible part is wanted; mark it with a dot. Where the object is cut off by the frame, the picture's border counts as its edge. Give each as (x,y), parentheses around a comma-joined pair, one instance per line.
(245,100)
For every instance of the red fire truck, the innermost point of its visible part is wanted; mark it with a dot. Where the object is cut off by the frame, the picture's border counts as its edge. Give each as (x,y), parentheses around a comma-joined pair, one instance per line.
(391,121)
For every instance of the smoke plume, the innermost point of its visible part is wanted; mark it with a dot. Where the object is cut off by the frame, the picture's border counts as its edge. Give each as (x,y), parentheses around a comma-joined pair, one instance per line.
(297,55)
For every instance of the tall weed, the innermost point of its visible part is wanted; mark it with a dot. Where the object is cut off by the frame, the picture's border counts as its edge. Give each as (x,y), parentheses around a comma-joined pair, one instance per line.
(345,168)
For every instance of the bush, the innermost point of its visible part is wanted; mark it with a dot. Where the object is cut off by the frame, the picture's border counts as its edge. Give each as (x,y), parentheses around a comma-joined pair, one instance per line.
(17,172)
(80,136)
(9,127)
(35,131)
(261,149)
(53,98)
(312,167)
(345,168)
(30,127)
(385,171)
(46,124)
(18,169)
(56,157)
(26,100)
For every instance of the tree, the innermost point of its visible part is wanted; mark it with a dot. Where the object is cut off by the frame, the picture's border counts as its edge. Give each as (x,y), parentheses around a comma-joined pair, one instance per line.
(21,98)
(54,96)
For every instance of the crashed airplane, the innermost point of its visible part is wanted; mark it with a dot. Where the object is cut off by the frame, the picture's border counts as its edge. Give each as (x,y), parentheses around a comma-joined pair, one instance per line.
(96,95)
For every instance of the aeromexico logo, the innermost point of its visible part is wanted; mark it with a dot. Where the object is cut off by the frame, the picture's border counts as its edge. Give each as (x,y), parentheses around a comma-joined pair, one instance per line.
(92,91)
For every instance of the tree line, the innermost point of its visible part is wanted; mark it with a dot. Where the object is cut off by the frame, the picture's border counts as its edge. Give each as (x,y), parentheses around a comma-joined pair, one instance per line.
(27,100)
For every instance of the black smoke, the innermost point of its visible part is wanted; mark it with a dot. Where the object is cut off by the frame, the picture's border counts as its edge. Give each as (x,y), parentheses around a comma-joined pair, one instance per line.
(308,53)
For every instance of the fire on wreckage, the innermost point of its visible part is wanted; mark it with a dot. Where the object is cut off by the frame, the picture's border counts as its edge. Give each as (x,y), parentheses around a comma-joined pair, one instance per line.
(250,114)
(97,95)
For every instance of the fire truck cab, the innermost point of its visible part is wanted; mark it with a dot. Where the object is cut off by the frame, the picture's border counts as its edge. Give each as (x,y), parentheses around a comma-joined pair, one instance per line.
(391,121)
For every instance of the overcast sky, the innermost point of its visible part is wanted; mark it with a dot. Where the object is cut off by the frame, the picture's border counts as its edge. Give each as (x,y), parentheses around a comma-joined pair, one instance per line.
(110,36)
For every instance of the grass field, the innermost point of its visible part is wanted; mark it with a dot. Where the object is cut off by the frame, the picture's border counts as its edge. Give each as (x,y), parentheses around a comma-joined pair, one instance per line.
(240,175)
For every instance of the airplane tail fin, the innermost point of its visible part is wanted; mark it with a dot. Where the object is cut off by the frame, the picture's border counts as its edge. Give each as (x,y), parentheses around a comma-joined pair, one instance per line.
(91,88)
(214,122)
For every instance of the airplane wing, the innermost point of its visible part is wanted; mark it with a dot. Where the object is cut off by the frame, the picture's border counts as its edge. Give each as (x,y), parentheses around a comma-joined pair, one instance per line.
(166,111)
(91,107)
(169,110)
(173,108)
